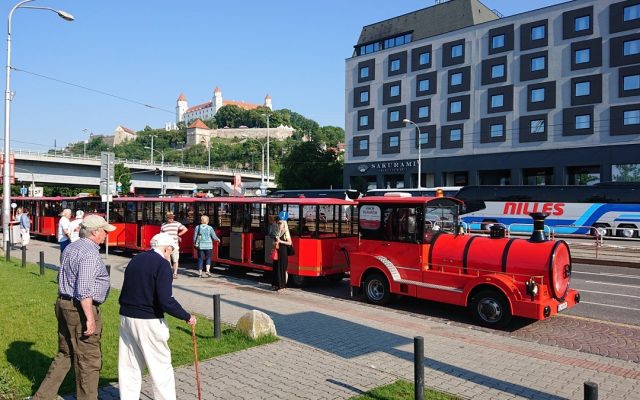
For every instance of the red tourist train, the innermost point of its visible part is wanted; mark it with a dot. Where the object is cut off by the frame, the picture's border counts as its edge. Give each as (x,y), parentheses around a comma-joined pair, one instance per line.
(388,245)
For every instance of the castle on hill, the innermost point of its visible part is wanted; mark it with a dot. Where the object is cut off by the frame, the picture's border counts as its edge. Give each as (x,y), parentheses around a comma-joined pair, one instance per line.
(208,110)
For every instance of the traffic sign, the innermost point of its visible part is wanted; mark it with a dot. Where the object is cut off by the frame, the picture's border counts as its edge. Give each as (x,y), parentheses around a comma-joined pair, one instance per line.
(23,191)
(107,178)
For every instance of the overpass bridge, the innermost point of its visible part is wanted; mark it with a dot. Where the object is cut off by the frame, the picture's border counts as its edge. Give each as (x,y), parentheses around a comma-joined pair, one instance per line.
(79,171)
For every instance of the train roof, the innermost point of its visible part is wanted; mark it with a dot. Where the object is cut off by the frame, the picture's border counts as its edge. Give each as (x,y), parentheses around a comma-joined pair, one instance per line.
(403,199)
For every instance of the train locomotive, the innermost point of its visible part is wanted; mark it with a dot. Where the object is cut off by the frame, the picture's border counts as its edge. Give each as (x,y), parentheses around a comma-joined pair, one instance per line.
(415,246)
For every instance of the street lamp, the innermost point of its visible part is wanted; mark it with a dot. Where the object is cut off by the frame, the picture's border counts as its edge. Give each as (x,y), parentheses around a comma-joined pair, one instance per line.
(262,185)
(152,136)
(85,148)
(161,167)
(266,114)
(33,179)
(408,121)
(6,190)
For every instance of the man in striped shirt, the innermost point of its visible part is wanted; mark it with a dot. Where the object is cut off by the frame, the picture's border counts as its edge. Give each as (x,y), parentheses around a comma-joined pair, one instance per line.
(83,284)
(174,229)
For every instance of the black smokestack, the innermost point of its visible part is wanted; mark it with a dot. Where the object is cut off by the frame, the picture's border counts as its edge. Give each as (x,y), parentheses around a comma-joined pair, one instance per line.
(538,227)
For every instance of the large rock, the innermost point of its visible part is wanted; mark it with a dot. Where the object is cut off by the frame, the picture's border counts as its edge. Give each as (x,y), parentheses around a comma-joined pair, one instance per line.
(256,324)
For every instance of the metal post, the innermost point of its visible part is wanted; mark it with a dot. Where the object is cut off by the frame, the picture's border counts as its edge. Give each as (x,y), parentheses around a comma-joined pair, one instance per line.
(162,172)
(209,150)
(42,263)
(7,249)
(24,256)
(152,136)
(216,316)
(106,241)
(418,367)
(590,391)
(419,143)
(268,177)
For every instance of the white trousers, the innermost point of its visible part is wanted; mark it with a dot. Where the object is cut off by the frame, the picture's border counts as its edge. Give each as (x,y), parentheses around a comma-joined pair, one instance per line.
(24,236)
(144,342)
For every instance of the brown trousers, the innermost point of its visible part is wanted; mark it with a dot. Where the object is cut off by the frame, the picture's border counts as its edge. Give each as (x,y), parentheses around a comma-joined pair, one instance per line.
(74,348)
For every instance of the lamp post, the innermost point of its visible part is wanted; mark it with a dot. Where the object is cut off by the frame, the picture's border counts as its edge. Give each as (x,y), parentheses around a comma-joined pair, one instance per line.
(209,151)
(33,179)
(161,167)
(85,148)
(419,140)
(262,185)
(266,114)
(6,190)
(151,157)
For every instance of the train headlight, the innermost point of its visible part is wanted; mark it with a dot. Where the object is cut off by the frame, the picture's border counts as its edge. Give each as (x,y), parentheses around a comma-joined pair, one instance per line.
(532,288)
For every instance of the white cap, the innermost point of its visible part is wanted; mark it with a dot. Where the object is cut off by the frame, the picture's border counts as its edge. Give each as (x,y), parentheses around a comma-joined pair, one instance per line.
(162,239)
(95,221)
(79,214)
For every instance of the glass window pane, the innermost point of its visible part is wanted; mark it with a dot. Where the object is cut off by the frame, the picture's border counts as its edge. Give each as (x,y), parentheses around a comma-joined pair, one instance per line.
(497,101)
(394,116)
(456,51)
(631,47)
(582,23)
(395,65)
(394,91)
(583,88)
(364,72)
(537,95)
(497,41)
(497,71)
(456,79)
(497,130)
(364,144)
(537,126)
(455,107)
(632,82)
(423,112)
(423,85)
(364,120)
(631,117)
(424,138)
(364,97)
(583,56)
(425,58)
(394,141)
(583,121)
(455,135)
(632,12)
(537,32)
(626,172)
(537,63)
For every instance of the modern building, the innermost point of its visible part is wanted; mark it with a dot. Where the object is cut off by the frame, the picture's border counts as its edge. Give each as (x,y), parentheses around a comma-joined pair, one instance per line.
(209,109)
(549,96)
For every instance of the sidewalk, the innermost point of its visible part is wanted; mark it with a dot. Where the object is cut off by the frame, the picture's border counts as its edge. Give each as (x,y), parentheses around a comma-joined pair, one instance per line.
(335,349)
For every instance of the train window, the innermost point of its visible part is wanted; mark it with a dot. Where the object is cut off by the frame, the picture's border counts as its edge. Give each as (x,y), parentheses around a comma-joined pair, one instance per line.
(293,222)
(130,212)
(309,222)
(118,212)
(224,215)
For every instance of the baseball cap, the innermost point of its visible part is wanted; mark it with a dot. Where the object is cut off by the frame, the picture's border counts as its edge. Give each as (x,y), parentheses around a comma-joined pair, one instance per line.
(96,221)
(79,214)
(162,239)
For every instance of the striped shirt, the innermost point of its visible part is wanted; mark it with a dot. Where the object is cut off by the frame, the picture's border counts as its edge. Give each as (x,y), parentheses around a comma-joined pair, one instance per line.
(172,229)
(83,273)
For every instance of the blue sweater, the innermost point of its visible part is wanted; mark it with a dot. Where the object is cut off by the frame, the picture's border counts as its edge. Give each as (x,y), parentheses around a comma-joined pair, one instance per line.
(206,235)
(146,290)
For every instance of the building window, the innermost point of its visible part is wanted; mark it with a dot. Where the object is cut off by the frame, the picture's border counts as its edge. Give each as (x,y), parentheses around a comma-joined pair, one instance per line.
(582,56)
(363,144)
(455,107)
(395,65)
(537,95)
(625,172)
(456,51)
(497,101)
(364,120)
(631,82)
(456,79)
(394,91)
(423,85)
(538,63)
(423,112)
(631,47)
(582,89)
(455,135)
(424,139)
(582,23)
(497,71)
(537,32)
(536,126)
(394,141)
(497,130)
(394,116)
(424,58)
(364,72)
(364,96)
(583,121)
(631,117)
(631,12)
(497,41)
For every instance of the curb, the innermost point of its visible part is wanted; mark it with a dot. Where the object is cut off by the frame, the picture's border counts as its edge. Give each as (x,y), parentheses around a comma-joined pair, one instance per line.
(608,262)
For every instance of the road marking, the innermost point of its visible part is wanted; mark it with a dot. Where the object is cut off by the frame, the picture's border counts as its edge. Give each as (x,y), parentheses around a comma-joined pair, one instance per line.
(607,274)
(611,294)
(609,305)
(614,284)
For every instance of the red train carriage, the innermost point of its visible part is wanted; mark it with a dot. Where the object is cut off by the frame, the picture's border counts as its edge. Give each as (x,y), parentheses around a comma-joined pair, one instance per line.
(45,212)
(410,246)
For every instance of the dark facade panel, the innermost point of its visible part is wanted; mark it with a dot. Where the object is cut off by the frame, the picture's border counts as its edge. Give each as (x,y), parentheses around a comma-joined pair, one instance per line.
(464,111)
(447,59)
(506,92)
(401,57)
(402,114)
(525,135)
(386,142)
(595,53)
(525,66)
(371,65)
(627,71)
(526,43)
(387,98)
(569,115)
(485,129)
(430,132)
(507,31)
(487,66)
(415,58)
(549,101)
(433,84)
(569,22)
(465,85)
(616,49)
(369,112)
(616,17)
(356,96)
(357,151)
(616,117)
(447,143)
(415,107)
(595,83)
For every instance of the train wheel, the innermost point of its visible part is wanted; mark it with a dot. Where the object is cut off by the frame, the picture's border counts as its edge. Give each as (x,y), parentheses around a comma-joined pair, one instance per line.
(335,278)
(297,280)
(490,308)
(376,289)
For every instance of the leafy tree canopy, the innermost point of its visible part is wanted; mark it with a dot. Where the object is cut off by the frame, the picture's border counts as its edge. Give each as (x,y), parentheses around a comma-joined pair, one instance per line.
(307,166)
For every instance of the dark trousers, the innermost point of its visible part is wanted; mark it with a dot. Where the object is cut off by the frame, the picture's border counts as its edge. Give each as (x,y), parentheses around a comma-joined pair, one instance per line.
(204,256)
(74,348)
(279,275)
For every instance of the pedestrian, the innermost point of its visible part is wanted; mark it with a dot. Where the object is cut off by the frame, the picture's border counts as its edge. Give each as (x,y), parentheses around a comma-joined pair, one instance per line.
(74,226)
(282,241)
(63,230)
(25,226)
(145,297)
(174,229)
(203,239)
(83,285)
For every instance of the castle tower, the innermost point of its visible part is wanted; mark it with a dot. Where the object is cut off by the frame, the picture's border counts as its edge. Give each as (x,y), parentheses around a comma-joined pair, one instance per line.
(216,102)
(181,108)
(267,102)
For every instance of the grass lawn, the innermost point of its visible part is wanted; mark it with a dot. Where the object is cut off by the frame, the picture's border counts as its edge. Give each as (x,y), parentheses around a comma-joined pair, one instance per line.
(28,333)
(402,390)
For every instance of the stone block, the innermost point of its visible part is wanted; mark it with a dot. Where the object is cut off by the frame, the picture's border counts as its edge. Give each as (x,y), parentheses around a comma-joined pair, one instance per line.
(256,324)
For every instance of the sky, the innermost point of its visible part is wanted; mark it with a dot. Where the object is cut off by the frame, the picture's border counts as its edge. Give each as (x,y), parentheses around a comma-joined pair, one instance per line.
(125,62)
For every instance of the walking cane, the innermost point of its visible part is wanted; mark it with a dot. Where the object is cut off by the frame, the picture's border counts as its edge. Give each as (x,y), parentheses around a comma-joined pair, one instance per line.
(195,360)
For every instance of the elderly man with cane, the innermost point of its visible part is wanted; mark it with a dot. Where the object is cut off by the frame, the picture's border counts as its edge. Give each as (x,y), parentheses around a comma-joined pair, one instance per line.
(146,295)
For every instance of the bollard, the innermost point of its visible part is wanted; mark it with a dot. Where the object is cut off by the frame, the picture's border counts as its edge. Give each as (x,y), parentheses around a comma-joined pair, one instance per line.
(590,391)
(7,250)
(42,263)
(216,316)
(108,267)
(24,257)
(418,367)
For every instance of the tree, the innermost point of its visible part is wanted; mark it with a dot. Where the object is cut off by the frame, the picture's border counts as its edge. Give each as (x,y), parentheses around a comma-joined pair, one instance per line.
(307,166)
(123,176)
(330,135)
(230,116)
